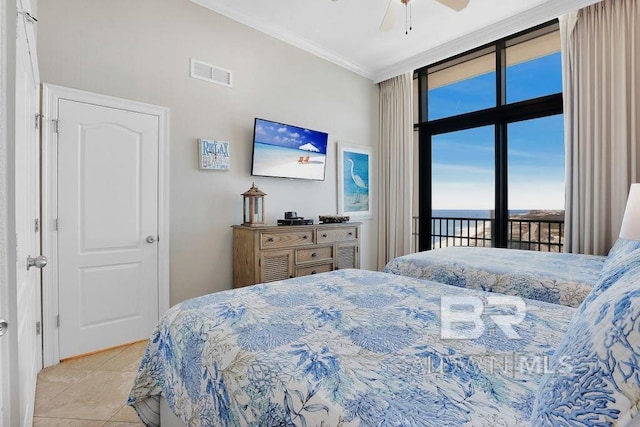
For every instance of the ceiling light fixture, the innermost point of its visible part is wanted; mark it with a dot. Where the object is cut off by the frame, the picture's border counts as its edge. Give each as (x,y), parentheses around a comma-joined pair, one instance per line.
(393,9)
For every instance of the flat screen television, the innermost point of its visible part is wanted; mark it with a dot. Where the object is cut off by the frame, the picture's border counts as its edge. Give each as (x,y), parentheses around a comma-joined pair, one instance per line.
(286,151)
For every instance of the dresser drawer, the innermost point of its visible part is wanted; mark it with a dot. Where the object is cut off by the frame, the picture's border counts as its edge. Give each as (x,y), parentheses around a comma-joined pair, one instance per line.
(314,254)
(286,239)
(342,234)
(314,269)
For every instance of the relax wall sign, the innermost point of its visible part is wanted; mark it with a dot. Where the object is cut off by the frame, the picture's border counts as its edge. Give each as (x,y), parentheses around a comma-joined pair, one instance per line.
(213,155)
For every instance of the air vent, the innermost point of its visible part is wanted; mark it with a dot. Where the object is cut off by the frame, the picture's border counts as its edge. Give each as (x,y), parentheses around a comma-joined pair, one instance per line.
(203,71)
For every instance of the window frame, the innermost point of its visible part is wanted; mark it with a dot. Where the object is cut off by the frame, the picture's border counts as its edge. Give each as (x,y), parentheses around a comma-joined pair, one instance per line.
(499,116)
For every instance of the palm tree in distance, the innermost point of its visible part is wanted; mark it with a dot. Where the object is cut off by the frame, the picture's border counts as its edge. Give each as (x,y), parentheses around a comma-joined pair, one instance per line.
(359,183)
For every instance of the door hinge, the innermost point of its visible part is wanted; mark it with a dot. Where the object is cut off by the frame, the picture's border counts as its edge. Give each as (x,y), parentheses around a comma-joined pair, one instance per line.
(58,320)
(57,224)
(37,225)
(38,328)
(56,125)
(29,17)
(38,121)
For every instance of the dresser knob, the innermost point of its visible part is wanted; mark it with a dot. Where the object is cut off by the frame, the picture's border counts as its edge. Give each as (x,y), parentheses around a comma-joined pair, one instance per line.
(350,234)
(314,255)
(270,239)
(305,237)
(314,272)
(324,235)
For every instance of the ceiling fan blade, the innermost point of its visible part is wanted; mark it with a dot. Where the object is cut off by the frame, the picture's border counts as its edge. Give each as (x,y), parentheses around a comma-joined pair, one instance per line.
(456,5)
(389,20)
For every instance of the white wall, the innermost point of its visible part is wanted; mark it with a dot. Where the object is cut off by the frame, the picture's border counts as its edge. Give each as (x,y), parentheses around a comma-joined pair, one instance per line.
(141,50)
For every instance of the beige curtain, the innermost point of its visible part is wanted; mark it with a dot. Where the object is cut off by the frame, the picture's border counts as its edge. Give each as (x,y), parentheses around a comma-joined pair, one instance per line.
(601,77)
(395,172)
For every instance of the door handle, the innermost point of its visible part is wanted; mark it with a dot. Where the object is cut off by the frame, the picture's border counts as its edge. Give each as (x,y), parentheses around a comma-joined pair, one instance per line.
(4,325)
(151,239)
(37,262)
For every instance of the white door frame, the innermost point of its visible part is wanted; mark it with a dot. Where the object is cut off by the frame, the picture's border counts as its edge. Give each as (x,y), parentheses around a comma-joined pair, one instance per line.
(51,95)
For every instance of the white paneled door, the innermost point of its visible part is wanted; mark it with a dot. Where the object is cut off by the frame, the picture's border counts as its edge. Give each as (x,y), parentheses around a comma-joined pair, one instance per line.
(27,204)
(107,223)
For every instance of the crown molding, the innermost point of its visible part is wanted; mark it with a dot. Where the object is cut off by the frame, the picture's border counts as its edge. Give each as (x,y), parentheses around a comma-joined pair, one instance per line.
(544,12)
(286,37)
(534,16)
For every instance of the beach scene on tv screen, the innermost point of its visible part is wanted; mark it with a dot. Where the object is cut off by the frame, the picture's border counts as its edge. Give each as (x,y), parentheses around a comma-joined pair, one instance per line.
(288,151)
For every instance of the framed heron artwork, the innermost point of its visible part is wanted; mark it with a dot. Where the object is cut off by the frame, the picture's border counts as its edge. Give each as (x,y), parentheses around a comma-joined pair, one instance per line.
(354,181)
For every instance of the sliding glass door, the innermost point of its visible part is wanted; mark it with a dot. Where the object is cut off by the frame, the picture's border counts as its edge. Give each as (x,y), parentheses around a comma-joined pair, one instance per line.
(463,176)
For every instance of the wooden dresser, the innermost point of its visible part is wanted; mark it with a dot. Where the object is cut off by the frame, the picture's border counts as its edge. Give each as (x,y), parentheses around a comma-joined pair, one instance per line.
(265,254)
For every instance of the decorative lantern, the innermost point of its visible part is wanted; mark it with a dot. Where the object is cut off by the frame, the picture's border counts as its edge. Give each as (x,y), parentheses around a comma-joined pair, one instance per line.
(253,201)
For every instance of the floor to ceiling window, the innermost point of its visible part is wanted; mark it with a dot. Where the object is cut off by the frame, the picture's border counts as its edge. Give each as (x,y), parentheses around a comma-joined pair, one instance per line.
(489,146)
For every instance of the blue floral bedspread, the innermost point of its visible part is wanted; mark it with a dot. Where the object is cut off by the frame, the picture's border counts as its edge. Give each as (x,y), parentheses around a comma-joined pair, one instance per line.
(346,348)
(558,278)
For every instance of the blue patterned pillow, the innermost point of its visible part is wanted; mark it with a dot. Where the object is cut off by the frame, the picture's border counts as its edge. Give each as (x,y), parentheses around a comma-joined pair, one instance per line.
(613,270)
(594,377)
(619,249)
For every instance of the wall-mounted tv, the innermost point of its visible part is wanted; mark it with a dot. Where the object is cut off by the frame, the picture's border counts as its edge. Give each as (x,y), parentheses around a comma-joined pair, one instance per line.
(286,151)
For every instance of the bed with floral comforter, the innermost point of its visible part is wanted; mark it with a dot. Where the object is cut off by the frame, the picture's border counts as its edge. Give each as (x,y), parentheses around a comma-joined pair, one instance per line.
(545,276)
(346,348)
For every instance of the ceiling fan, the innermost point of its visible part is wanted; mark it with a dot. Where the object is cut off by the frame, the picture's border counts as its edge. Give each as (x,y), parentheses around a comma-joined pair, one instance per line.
(389,19)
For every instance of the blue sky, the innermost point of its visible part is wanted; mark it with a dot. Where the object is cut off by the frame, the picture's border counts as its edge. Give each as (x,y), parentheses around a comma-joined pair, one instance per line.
(463,162)
(289,136)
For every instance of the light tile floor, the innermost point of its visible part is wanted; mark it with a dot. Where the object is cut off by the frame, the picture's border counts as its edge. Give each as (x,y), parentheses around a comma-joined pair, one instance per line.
(89,391)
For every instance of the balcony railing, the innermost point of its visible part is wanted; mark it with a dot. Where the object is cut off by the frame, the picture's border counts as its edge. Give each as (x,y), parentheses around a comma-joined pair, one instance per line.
(544,235)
